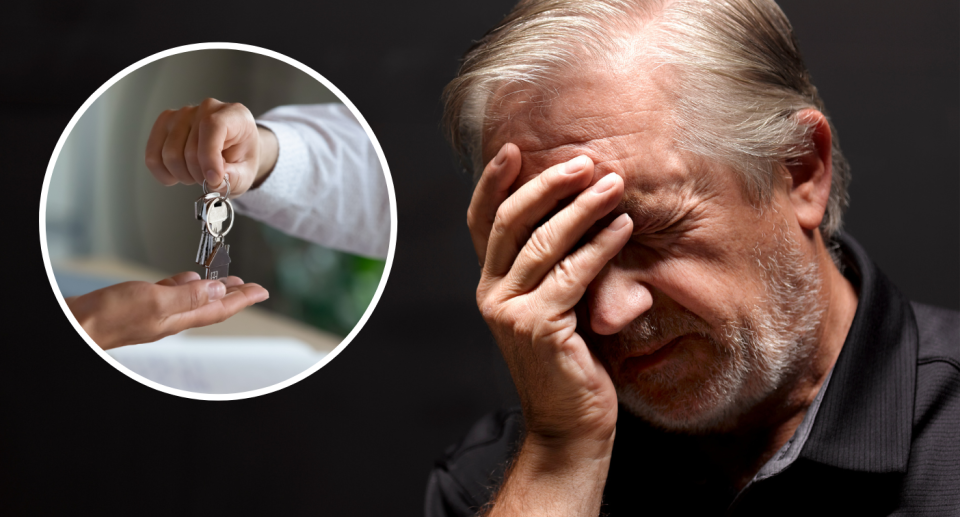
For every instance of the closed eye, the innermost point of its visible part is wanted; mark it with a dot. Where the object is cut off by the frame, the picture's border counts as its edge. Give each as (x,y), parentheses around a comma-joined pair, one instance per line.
(660,225)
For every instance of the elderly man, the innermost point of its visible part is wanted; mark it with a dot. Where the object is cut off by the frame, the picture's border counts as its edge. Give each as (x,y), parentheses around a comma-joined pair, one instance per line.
(658,225)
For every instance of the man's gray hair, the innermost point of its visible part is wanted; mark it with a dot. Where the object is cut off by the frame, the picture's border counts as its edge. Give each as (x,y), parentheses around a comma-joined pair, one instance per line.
(739,79)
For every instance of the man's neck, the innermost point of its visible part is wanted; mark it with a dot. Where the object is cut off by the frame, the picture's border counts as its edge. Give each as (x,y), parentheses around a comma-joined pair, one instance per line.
(760,434)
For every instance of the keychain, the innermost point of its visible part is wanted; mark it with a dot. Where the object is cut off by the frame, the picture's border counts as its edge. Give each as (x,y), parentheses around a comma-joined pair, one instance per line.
(212,210)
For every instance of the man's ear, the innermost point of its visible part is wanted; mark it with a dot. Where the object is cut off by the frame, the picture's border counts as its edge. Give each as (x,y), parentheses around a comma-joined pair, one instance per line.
(812,173)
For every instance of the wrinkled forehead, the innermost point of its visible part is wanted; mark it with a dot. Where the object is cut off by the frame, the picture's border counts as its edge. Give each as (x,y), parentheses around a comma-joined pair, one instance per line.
(619,117)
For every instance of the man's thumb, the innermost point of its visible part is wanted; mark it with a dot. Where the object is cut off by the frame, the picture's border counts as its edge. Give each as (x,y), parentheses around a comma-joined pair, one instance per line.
(193,295)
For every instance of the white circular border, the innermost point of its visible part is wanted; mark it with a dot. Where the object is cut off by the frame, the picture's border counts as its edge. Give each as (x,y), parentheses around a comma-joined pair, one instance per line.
(366,314)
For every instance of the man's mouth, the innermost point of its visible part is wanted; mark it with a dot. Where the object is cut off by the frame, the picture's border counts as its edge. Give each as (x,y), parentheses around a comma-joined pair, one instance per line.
(652,355)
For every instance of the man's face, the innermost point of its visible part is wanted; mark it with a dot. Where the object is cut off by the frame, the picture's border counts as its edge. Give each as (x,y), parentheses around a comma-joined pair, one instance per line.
(711,305)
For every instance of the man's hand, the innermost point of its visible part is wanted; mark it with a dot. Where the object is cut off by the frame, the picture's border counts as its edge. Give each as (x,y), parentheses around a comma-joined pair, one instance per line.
(529,286)
(210,141)
(141,312)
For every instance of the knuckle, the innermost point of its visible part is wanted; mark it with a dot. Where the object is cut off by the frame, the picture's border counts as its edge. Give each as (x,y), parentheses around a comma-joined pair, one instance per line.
(169,155)
(539,243)
(212,121)
(190,154)
(154,161)
(238,108)
(182,117)
(503,214)
(499,230)
(209,121)
(472,218)
(196,298)
(501,224)
(504,317)
(565,274)
(490,308)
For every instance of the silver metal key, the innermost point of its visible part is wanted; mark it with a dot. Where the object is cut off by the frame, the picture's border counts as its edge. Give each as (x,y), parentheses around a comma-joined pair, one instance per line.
(200,205)
(203,244)
(216,214)
(206,245)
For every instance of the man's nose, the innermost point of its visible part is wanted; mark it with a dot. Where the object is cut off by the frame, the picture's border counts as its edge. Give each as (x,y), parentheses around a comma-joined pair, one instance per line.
(615,299)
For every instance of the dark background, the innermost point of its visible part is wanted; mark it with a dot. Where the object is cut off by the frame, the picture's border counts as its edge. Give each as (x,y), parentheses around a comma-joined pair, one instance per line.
(359,436)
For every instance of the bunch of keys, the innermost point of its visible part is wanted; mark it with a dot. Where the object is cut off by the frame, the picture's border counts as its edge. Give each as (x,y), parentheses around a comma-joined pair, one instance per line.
(213,209)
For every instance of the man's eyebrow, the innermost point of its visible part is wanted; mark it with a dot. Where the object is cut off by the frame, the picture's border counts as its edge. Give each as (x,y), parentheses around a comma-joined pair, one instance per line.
(651,220)
(654,215)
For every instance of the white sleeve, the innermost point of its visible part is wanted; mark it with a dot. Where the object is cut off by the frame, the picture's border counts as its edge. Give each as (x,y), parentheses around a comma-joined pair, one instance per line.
(327,186)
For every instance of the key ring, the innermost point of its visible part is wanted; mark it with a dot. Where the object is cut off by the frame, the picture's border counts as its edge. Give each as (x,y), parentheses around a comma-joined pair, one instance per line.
(226,178)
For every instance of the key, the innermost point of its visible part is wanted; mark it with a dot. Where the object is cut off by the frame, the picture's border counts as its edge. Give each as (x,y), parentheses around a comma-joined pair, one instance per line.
(216,214)
(203,244)
(200,205)
(200,213)
(206,245)
(218,263)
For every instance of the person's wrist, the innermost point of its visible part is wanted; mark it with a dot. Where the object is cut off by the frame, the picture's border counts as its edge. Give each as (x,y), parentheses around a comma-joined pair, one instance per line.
(555,478)
(554,453)
(84,311)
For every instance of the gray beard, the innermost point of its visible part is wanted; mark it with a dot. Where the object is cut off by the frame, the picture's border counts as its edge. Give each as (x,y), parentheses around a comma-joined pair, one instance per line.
(757,353)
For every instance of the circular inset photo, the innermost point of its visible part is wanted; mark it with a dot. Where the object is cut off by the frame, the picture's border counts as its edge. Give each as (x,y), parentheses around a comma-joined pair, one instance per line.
(218,221)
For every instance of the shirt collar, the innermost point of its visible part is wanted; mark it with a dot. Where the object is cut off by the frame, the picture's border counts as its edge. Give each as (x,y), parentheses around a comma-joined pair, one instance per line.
(865,419)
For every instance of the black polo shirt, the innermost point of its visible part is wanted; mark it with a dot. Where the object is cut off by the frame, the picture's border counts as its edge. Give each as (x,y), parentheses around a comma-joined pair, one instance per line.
(885,439)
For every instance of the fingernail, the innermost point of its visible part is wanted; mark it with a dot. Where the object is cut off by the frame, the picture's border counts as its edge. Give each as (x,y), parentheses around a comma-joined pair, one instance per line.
(575,165)
(619,223)
(211,176)
(605,183)
(216,290)
(501,156)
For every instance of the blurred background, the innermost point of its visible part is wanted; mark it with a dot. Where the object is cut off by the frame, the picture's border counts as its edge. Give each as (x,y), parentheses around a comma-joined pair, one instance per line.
(360,436)
(109,221)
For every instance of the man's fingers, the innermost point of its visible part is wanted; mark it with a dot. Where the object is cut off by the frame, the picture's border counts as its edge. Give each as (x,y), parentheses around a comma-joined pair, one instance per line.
(491,191)
(236,300)
(193,276)
(518,215)
(553,240)
(190,296)
(180,279)
(232,281)
(154,153)
(178,129)
(190,154)
(566,283)
(213,131)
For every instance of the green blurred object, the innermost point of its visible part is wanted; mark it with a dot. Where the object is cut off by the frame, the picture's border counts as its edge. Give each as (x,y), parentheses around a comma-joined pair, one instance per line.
(319,286)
